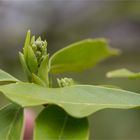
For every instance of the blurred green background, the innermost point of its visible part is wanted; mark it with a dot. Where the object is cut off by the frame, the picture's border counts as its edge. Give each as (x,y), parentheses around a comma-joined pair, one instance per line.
(63,22)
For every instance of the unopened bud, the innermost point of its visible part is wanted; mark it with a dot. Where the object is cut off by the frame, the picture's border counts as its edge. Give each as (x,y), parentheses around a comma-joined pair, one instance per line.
(64,82)
(38,54)
(34,47)
(36,58)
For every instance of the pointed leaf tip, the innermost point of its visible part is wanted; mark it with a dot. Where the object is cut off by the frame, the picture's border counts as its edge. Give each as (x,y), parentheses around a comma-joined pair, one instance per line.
(27,42)
(6,78)
(122,73)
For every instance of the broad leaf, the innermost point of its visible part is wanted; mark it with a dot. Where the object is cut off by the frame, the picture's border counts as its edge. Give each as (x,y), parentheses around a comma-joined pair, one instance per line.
(6,78)
(123,73)
(53,123)
(77,100)
(80,56)
(11,122)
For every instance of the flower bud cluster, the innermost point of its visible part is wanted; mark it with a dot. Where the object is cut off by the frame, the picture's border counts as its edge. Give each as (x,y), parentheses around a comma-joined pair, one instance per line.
(40,49)
(64,82)
(34,60)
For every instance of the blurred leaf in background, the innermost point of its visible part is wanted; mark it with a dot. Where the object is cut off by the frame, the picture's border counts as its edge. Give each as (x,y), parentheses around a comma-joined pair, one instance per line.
(64,22)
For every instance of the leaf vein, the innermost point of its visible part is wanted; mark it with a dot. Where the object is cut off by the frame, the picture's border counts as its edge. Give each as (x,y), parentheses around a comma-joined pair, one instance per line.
(63,127)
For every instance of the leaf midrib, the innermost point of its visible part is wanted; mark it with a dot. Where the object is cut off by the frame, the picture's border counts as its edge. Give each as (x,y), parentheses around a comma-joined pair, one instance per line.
(72,103)
(63,127)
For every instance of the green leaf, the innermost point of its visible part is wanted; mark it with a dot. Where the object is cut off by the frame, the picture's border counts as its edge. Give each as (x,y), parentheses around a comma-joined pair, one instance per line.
(11,122)
(123,73)
(32,39)
(43,69)
(31,60)
(77,100)
(24,66)
(27,42)
(80,56)
(110,86)
(53,123)
(37,80)
(6,78)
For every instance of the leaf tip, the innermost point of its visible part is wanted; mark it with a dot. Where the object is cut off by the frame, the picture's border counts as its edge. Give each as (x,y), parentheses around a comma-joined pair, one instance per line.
(109,75)
(115,51)
(29,31)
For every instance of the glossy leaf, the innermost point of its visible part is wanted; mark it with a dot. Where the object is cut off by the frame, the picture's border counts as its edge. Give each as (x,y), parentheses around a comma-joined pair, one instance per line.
(77,100)
(123,73)
(11,122)
(80,56)
(6,77)
(53,123)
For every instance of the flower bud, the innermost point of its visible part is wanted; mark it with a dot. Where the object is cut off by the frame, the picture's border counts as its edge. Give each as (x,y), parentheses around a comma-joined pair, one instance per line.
(64,82)
(35,53)
(40,49)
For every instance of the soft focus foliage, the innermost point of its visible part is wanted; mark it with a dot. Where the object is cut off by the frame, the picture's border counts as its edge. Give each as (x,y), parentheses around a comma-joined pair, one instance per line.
(63,22)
